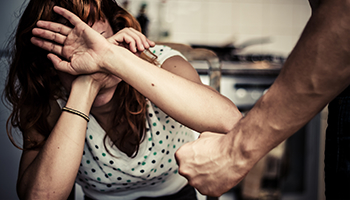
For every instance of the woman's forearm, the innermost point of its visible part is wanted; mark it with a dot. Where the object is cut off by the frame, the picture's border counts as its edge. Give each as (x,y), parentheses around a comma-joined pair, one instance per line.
(52,173)
(188,102)
(87,52)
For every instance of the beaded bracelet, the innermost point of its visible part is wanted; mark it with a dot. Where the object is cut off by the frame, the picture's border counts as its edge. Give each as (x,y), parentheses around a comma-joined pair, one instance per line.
(87,118)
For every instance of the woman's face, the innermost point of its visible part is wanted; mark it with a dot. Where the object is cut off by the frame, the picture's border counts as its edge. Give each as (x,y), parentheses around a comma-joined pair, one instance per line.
(106,93)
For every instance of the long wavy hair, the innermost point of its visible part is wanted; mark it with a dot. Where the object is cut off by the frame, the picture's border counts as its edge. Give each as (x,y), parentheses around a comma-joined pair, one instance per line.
(33,82)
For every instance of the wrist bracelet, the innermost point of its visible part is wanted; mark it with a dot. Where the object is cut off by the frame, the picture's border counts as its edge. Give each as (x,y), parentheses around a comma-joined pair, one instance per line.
(87,118)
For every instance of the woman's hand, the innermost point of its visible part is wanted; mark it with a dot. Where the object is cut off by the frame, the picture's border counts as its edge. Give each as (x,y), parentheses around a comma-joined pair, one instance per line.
(131,39)
(83,47)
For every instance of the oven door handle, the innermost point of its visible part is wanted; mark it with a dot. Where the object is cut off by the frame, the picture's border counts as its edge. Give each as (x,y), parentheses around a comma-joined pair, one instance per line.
(251,86)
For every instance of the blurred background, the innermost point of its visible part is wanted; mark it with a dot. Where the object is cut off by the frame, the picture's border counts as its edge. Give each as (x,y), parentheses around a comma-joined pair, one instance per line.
(224,22)
(252,39)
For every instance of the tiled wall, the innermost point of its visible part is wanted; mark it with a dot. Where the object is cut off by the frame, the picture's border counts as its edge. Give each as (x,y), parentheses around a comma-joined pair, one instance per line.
(218,22)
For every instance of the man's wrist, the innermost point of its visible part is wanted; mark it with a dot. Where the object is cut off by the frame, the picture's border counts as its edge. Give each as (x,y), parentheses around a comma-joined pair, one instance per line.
(245,144)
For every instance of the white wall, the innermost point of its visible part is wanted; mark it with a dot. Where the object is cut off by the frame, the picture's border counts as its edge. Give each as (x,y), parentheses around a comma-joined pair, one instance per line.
(220,22)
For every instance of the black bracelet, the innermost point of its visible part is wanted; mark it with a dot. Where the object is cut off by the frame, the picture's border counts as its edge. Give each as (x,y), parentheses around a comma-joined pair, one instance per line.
(87,118)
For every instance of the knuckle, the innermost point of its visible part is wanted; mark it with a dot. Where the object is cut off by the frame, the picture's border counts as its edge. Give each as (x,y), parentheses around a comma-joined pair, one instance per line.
(179,150)
(41,44)
(180,153)
(217,194)
(177,155)
(192,183)
(204,192)
(53,37)
(50,26)
(209,192)
(121,31)
(184,171)
(213,193)
(59,29)
(143,37)
(52,47)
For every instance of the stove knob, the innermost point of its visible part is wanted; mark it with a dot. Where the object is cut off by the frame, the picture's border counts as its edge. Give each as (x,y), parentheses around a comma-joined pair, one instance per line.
(241,93)
(255,94)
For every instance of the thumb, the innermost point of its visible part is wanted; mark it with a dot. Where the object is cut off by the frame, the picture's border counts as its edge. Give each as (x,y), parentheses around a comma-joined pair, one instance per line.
(54,59)
(60,64)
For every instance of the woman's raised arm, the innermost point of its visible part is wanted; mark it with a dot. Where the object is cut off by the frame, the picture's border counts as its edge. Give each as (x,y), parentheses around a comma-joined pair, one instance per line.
(175,88)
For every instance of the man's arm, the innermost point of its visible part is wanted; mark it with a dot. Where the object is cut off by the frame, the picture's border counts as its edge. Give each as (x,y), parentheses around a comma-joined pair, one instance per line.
(315,72)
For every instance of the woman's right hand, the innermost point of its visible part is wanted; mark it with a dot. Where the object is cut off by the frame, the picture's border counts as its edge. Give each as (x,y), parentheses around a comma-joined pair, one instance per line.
(82,47)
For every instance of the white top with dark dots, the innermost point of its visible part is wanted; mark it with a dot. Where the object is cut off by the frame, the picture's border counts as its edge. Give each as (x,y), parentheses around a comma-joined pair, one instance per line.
(153,172)
(164,52)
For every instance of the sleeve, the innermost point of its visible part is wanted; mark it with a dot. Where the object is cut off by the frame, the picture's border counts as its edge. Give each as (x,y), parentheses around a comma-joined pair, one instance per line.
(165,52)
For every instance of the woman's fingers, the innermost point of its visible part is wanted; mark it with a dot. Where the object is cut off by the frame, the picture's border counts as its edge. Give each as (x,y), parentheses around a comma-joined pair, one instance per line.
(72,18)
(151,43)
(49,35)
(54,59)
(143,41)
(55,27)
(54,35)
(61,65)
(133,43)
(49,46)
(134,39)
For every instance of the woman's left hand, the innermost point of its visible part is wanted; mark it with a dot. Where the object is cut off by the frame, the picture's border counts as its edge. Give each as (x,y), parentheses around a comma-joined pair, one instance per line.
(131,39)
(83,47)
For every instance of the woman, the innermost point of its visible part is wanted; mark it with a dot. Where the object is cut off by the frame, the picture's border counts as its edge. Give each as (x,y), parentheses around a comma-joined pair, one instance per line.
(95,109)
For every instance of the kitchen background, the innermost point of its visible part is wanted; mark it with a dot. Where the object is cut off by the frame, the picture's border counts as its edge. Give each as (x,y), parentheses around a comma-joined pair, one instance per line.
(274,26)
(222,22)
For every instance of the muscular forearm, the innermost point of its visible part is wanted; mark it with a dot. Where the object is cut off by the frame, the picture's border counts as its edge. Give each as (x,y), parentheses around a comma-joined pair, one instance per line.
(190,103)
(315,72)
(52,173)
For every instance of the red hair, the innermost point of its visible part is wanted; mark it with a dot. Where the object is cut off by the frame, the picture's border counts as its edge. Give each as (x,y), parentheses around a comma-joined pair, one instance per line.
(32,80)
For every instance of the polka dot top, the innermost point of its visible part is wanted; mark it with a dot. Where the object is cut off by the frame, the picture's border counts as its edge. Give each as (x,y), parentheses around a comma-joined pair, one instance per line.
(153,172)
(164,52)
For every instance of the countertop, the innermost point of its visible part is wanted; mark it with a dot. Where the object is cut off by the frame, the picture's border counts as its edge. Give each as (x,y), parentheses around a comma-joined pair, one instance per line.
(241,68)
